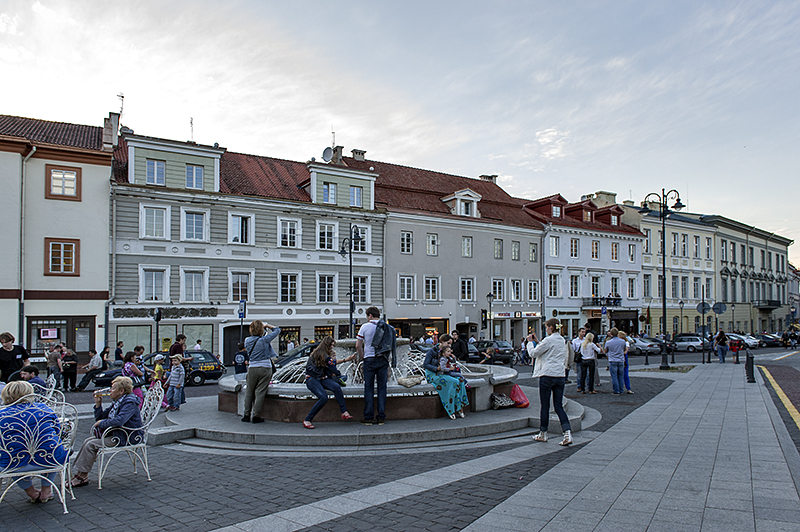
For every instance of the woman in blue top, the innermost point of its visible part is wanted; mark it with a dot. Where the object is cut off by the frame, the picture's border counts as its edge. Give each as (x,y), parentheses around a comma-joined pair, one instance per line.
(30,431)
(451,390)
(320,370)
(259,372)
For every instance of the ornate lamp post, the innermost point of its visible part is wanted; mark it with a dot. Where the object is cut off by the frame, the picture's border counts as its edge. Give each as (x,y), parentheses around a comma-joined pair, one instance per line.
(490,299)
(662,200)
(347,248)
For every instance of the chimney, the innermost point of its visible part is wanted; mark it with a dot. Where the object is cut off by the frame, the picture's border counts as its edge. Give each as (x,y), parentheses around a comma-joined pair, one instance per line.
(337,155)
(358,155)
(111,131)
(603,198)
(489,178)
(628,203)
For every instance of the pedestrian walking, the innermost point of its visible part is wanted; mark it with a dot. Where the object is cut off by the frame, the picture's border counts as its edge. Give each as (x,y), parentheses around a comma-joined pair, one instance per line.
(721,346)
(550,356)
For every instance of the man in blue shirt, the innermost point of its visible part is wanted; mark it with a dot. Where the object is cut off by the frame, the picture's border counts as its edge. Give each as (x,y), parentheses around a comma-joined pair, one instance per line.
(31,374)
(615,349)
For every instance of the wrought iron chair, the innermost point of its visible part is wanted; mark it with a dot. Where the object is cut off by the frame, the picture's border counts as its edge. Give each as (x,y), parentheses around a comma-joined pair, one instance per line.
(25,428)
(128,440)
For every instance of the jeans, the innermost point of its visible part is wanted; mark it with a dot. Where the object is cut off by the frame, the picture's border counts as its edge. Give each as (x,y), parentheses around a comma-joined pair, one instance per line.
(375,367)
(53,370)
(318,388)
(626,376)
(87,378)
(617,375)
(27,482)
(587,374)
(555,386)
(722,350)
(174,396)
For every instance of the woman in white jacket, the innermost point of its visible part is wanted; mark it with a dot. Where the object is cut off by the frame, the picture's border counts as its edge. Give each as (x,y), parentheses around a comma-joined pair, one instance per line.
(549,359)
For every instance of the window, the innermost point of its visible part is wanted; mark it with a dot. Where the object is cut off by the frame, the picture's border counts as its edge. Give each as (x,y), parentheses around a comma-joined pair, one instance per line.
(743,257)
(329,193)
(684,245)
(552,285)
(499,289)
(763,263)
(587,216)
(615,286)
(533,252)
(62,256)
(574,245)
(696,253)
(631,288)
(750,256)
(660,242)
(361,236)
(674,287)
(431,288)
(194,225)
(290,283)
(709,256)
(574,285)
(709,289)
(326,236)
(155,172)
(290,233)
(356,193)
(467,289)
(733,290)
(647,240)
(675,325)
(556,211)
(646,287)
(554,246)
(660,287)
(240,228)
(744,292)
(733,252)
(595,249)
(723,251)
(62,182)
(466,208)
(674,244)
(433,244)
(239,285)
(406,287)
(596,286)
(361,289)
(533,290)
(614,219)
(326,288)
(631,252)
(685,287)
(769,260)
(153,283)
(515,251)
(498,248)
(516,289)
(194,285)
(466,246)
(615,251)
(154,222)
(696,288)
(406,242)
(723,284)
(194,177)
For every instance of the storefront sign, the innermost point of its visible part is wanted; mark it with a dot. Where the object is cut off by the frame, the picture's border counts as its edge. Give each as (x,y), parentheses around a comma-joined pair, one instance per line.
(502,314)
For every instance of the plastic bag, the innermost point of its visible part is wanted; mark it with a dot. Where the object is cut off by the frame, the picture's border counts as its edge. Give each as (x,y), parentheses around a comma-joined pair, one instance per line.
(518,396)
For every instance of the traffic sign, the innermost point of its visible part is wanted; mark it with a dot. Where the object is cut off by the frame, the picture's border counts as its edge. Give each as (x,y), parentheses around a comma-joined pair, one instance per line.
(719,308)
(242,308)
(703,308)
(603,311)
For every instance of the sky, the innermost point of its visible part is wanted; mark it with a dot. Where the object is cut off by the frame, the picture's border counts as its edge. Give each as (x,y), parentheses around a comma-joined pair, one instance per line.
(568,97)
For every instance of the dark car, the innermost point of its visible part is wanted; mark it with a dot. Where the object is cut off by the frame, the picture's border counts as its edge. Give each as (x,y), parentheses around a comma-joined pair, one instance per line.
(204,365)
(767,340)
(292,355)
(671,346)
(504,351)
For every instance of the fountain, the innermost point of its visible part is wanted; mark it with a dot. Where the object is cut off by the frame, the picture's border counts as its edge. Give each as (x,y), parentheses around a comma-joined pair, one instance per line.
(289,400)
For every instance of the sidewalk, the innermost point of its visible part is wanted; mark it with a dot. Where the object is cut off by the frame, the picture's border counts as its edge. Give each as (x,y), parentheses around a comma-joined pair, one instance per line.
(709,453)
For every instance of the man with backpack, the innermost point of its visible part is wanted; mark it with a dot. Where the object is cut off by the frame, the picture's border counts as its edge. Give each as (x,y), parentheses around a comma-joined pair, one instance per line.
(377,345)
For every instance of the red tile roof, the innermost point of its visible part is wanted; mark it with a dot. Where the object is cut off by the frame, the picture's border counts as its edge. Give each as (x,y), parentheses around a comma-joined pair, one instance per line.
(58,133)
(262,176)
(568,221)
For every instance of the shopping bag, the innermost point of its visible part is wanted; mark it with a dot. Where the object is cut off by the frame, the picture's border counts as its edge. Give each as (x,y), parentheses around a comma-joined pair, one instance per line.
(517,395)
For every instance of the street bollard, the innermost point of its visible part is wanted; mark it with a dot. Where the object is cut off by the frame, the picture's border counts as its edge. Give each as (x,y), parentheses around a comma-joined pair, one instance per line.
(748,368)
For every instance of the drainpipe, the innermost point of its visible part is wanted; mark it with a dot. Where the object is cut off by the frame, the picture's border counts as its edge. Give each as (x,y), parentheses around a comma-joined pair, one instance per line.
(542,279)
(21,338)
(113,259)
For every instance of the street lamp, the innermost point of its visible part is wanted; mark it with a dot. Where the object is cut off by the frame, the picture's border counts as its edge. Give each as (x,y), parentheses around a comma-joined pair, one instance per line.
(490,299)
(348,245)
(662,200)
(733,317)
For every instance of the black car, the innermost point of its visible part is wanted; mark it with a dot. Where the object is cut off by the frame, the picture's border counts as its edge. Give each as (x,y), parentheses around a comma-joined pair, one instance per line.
(503,351)
(671,347)
(292,355)
(204,365)
(767,340)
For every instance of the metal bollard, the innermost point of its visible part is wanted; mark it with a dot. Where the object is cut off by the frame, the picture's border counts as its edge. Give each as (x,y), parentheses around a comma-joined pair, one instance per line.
(748,368)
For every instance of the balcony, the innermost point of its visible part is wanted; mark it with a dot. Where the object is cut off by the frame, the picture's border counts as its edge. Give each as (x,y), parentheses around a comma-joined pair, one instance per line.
(767,304)
(602,302)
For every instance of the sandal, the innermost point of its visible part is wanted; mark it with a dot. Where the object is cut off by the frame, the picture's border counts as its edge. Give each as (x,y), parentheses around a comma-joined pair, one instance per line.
(78,482)
(308,425)
(43,500)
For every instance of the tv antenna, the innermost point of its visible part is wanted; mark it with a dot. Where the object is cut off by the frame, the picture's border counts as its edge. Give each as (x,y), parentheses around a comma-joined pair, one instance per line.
(121,102)
(191,129)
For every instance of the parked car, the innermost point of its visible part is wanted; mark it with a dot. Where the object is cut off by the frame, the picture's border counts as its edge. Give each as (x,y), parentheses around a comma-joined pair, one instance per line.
(293,354)
(691,344)
(751,342)
(768,340)
(659,341)
(504,351)
(644,345)
(204,366)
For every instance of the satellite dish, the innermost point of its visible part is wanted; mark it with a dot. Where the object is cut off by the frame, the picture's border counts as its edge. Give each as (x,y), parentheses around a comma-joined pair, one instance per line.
(327,155)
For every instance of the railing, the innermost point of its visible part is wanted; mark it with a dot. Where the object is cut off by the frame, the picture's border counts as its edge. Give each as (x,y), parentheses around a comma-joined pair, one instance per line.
(602,301)
(767,303)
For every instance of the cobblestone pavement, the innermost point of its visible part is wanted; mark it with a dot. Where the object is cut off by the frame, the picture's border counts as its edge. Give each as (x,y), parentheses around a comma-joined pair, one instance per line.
(203,491)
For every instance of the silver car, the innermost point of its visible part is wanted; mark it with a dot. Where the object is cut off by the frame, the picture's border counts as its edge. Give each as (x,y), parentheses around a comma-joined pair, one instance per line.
(646,346)
(691,344)
(749,341)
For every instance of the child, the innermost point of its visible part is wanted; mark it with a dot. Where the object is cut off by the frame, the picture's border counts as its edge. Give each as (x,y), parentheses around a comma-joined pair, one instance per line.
(447,363)
(159,376)
(176,379)
(240,362)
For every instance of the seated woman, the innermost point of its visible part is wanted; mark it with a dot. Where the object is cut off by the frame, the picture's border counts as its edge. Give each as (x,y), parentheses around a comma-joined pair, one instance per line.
(320,373)
(450,388)
(123,412)
(23,423)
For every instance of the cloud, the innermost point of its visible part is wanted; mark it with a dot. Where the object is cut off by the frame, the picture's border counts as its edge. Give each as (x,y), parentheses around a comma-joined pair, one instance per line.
(8,24)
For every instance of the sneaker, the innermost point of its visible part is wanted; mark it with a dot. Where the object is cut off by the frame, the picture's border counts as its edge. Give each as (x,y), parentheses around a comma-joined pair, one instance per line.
(257,419)
(629,391)
(381,421)
(567,440)
(540,436)
(367,422)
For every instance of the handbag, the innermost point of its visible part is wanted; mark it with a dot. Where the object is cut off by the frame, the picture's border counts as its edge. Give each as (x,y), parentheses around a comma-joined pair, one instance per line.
(519,398)
(500,400)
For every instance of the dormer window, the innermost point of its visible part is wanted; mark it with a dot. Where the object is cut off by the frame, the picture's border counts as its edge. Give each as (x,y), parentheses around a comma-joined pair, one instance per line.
(587,216)
(463,203)
(614,219)
(329,193)
(556,211)
(466,208)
